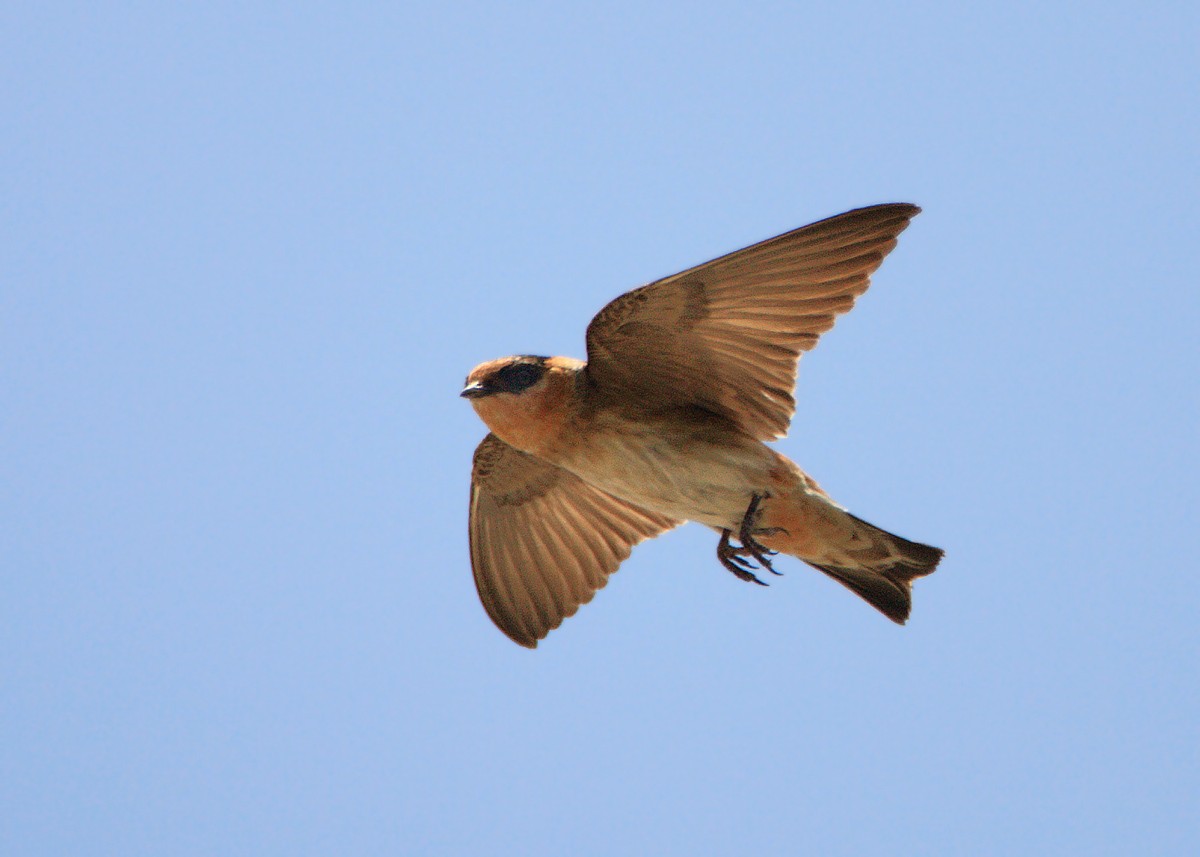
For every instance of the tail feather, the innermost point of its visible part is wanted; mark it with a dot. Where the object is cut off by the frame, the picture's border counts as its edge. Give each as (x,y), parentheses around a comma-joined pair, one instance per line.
(886,585)
(876,565)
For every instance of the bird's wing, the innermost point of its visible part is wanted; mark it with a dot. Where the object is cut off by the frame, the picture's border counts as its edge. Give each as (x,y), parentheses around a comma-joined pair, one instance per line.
(726,335)
(543,540)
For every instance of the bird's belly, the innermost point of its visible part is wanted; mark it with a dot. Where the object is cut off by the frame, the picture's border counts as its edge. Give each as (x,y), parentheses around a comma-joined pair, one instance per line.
(690,478)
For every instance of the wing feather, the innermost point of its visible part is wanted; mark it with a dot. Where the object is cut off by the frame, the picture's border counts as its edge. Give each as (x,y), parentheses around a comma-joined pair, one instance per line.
(726,335)
(543,540)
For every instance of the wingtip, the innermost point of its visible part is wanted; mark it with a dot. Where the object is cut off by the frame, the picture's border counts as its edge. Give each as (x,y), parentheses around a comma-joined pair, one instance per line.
(909,209)
(912,208)
(525,641)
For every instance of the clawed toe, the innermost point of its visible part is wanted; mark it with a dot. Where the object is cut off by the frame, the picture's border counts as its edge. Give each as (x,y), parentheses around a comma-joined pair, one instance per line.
(732,558)
(736,559)
(748,532)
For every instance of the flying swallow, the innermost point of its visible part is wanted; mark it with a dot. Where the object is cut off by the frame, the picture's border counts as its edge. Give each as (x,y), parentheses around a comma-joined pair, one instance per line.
(666,422)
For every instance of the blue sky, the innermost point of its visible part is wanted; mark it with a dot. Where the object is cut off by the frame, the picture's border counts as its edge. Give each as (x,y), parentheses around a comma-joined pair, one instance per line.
(249,255)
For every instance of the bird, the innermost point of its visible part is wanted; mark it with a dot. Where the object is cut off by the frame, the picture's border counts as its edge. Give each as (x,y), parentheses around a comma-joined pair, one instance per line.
(686,381)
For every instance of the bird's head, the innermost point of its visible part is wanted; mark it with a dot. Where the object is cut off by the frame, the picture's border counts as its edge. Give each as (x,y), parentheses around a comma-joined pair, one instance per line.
(524,399)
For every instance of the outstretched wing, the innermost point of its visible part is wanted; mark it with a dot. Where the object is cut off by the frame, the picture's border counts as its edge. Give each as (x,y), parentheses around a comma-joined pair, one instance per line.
(543,540)
(726,335)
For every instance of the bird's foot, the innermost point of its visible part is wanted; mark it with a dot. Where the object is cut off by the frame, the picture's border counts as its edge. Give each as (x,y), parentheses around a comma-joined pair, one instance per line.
(731,557)
(749,530)
(734,558)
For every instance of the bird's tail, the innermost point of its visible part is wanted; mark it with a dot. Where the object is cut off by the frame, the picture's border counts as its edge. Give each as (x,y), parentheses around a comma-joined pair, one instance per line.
(877,565)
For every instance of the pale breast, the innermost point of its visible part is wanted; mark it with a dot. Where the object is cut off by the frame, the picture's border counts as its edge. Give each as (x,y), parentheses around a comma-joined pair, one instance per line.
(674,468)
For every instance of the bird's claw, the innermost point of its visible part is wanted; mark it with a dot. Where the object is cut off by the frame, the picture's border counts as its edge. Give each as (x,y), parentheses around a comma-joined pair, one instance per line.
(734,558)
(731,557)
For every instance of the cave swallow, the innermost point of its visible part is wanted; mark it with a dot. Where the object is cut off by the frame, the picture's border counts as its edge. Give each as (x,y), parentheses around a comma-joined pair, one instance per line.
(666,422)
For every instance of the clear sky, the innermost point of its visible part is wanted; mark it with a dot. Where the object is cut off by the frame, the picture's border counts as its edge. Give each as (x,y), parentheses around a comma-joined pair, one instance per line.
(249,253)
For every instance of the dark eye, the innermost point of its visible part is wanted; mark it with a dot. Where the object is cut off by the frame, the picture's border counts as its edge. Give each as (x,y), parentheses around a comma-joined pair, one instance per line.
(519,376)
